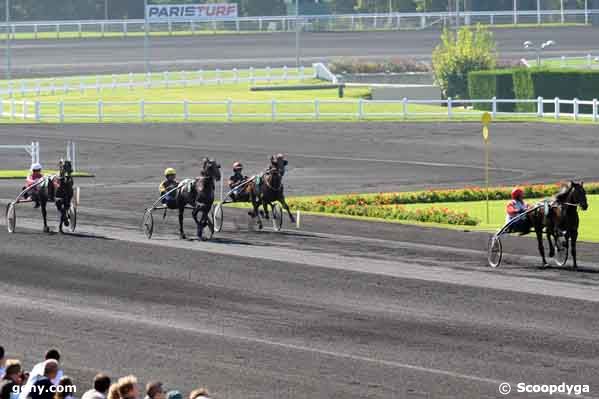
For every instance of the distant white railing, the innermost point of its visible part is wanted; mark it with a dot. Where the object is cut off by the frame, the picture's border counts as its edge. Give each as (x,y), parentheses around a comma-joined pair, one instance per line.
(229,110)
(339,22)
(150,80)
(32,149)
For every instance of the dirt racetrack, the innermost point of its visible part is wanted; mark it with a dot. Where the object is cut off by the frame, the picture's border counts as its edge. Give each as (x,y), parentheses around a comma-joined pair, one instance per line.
(337,309)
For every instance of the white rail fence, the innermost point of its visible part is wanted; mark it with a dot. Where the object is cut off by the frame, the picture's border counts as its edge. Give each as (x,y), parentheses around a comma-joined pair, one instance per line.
(32,149)
(339,22)
(166,79)
(229,110)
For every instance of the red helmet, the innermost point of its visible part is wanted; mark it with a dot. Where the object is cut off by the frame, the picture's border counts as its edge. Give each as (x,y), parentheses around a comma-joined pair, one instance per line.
(237,166)
(517,192)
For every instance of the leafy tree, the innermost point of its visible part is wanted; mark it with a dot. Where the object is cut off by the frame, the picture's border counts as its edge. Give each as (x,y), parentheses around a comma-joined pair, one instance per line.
(460,53)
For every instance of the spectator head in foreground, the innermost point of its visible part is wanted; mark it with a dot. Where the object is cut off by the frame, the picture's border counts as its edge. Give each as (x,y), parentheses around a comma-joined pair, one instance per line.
(155,390)
(113,392)
(100,389)
(128,388)
(53,354)
(65,389)
(174,395)
(14,371)
(1,361)
(51,369)
(199,393)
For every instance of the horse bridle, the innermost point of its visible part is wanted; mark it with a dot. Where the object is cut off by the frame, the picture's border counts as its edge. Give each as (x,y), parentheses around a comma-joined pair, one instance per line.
(271,171)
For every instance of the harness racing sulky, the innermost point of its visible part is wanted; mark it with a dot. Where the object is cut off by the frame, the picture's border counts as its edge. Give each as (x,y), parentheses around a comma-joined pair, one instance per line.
(53,188)
(194,194)
(557,218)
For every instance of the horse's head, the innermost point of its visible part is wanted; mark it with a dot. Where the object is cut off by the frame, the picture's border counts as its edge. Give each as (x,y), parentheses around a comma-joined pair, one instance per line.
(279,163)
(65,168)
(578,195)
(211,169)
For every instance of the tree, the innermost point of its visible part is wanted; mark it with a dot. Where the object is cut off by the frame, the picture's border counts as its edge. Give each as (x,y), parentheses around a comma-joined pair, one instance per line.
(460,53)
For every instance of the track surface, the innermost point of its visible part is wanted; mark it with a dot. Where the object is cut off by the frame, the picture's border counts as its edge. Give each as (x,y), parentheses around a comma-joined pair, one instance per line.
(338,309)
(116,55)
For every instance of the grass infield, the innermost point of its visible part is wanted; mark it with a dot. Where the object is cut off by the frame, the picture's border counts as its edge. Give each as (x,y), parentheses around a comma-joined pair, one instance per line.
(22,174)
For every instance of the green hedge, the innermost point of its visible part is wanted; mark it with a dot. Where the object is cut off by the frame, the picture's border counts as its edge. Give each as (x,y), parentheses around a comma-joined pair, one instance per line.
(489,84)
(525,83)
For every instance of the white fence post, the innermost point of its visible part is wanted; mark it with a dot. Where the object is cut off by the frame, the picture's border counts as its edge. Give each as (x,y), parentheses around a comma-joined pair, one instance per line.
(595,115)
(562,62)
(165,78)
(1,108)
(285,73)
(316,109)
(268,74)
(38,88)
(575,106)
(12,108)
(449,108)
(252,77)
(53,86)
(360,108)
(494,107)
(218,77)
(142,110)
(556,105)
(590,61)
(235,75)
(301,73)
(185,110)
(229,110)
(130,81)
(38,113)
(113,82)
(273,109)
(100,111)
(201,76)
(540,104)
(61,111)
(404,107)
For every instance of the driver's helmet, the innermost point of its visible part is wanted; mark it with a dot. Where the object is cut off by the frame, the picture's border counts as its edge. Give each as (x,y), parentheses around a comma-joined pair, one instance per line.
(279,156)
(36,167)
(517,192)
(170,172)
(237,166)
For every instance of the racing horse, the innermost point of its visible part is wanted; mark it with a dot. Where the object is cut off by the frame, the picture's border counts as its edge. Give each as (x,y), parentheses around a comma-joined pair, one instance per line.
(562,218)
(199,194)
(58,189)
(268,188)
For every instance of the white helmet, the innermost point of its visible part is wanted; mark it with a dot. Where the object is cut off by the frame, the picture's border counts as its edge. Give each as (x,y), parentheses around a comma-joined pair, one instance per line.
(36,166)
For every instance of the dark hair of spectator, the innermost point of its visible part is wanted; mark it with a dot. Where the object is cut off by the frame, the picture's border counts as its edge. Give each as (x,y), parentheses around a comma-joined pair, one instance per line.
(101,383)
(53,354)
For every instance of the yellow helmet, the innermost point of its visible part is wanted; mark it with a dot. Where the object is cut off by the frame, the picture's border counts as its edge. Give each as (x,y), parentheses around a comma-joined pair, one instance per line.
(170,171)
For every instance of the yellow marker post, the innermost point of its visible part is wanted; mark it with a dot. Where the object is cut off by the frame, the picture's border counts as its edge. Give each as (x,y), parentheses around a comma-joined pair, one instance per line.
(486,121)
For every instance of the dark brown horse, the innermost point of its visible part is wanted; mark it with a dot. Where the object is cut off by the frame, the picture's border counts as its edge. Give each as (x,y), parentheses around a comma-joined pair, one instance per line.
(59,189)
(562,219)
(199,194)
(268,188)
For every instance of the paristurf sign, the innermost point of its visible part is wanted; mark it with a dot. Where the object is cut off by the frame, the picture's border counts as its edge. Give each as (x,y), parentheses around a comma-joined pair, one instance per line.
(172,12)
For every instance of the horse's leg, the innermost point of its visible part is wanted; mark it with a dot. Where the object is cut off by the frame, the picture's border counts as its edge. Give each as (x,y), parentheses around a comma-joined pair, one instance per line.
(550,234)
(59,208)
(43,203)
(573,237)
(265,207)
(539,231)
(286,207)
(181,211)
(199,223)
(256,212)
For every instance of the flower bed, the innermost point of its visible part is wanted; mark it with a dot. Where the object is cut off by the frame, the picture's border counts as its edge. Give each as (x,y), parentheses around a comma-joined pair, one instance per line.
(389,205)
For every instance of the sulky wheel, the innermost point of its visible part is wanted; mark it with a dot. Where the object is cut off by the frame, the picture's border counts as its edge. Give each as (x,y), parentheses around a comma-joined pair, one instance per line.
(495,251)
(277,217)
(148,224)
(11,217)
(218,217)
(561,250)
(72,215)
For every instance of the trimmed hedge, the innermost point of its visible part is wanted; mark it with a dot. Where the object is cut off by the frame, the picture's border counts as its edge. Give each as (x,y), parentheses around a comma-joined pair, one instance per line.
(489,84)
(522,83)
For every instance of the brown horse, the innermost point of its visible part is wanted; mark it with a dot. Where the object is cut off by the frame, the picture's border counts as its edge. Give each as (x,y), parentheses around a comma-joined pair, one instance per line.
(268,188)
(199,194)
(562,219)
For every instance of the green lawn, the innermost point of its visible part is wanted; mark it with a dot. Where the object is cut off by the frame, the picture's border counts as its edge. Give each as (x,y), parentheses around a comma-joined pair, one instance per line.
(589,220)
(22,174)
(569,62)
